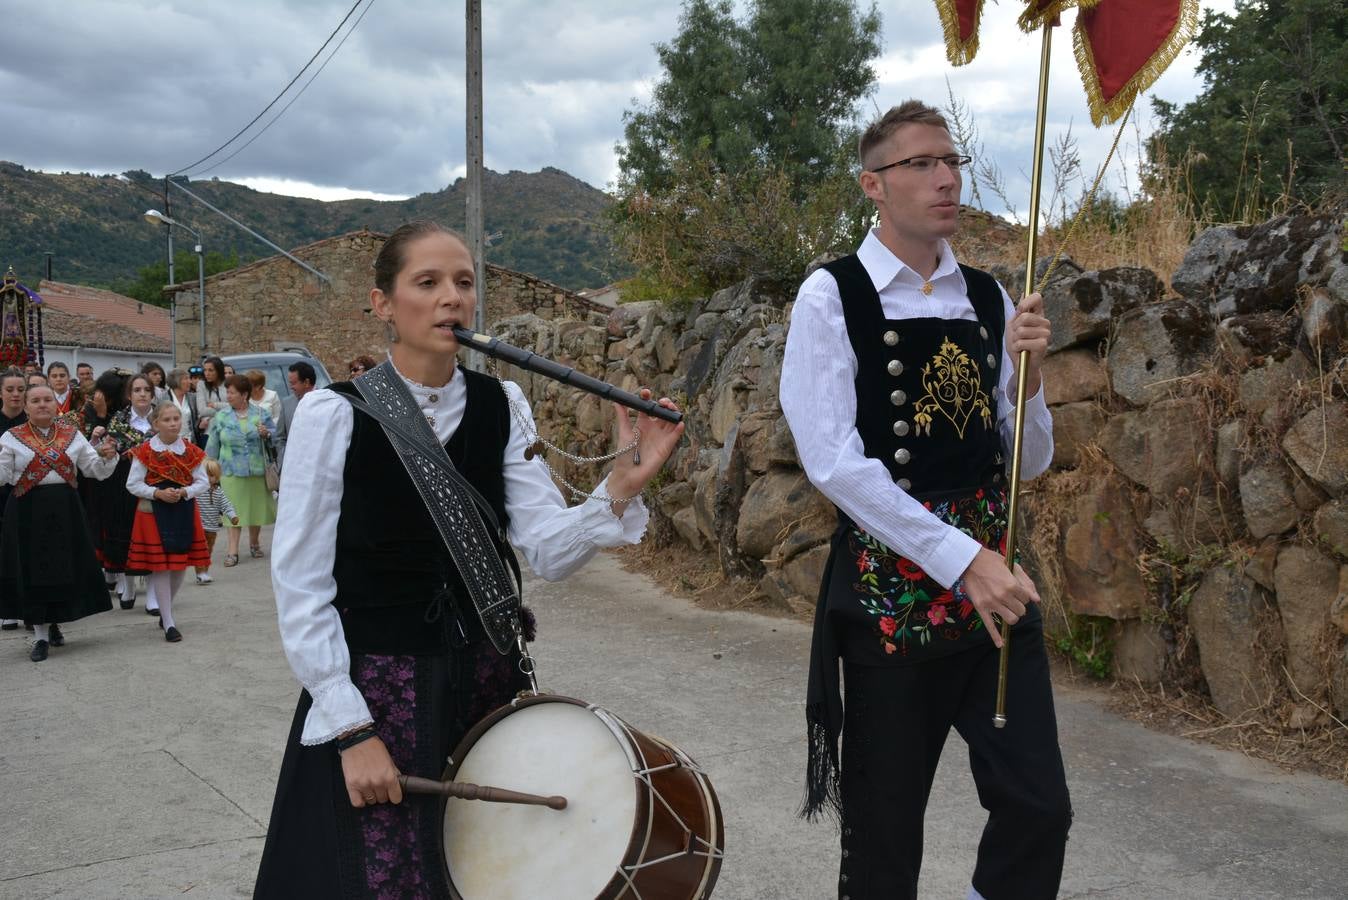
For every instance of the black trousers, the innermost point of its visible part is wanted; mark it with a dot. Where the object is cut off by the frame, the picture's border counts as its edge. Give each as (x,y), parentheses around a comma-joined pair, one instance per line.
(896,722)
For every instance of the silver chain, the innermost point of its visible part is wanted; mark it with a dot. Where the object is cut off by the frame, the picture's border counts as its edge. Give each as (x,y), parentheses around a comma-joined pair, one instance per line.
(535,439)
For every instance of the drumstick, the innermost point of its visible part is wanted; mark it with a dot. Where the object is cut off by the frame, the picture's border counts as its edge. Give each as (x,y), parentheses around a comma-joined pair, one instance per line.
(462,790)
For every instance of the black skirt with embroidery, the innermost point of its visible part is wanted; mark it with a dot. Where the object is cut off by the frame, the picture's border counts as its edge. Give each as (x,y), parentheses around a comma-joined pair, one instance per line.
(318,845)
(48,571)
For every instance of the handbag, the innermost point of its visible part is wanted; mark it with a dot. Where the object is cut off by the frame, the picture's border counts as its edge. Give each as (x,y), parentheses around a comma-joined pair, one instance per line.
(271,472)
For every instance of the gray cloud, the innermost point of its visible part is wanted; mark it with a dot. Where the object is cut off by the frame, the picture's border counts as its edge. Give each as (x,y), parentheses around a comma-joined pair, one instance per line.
(93,85)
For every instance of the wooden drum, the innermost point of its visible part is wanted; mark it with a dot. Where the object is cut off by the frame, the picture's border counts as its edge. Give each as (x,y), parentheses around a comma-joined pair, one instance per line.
(642,822)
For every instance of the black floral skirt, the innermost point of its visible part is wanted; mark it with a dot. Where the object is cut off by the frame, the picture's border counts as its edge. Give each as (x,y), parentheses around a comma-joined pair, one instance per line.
(318,845)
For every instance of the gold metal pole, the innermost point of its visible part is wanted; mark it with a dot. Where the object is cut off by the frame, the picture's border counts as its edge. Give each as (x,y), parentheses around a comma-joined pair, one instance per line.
(1022,365)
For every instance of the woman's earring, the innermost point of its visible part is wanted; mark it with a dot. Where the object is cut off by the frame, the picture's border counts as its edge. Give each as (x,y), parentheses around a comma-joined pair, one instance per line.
(392,331)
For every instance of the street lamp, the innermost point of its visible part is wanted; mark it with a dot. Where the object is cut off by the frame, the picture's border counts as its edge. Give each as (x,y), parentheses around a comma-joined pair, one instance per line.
(155,217)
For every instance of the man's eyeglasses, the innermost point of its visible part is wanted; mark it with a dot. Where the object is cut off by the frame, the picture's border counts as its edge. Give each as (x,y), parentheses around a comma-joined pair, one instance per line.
(357,370)
(927,164)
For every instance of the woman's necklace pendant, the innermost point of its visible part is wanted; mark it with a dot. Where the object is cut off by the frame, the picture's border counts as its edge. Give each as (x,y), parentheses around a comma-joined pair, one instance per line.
(534,449)
(927,288)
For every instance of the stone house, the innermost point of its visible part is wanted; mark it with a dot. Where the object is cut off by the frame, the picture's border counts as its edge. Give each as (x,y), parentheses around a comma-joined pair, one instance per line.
(273,303)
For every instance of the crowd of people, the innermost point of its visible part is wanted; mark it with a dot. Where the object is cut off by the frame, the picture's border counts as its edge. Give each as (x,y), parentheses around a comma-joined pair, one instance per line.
(130,474)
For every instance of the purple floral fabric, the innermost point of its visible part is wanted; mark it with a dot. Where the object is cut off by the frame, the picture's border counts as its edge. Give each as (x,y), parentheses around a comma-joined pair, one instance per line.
(393,854)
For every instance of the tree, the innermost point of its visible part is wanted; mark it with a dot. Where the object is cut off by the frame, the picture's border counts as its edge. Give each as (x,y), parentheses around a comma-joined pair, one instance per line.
(723,173)
(148,286)
(1272,121)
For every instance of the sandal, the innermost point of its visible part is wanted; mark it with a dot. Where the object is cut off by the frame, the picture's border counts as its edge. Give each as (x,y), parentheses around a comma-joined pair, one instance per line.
(231,559)
(255,552)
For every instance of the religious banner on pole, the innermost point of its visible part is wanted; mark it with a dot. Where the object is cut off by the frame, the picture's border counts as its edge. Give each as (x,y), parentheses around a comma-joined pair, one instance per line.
(1122,46)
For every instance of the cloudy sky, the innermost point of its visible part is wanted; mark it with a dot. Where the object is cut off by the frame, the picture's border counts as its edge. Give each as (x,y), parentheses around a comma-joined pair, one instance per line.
(111,85)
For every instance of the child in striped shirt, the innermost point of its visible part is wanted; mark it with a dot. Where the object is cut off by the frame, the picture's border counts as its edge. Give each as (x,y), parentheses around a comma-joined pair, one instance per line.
(214,506)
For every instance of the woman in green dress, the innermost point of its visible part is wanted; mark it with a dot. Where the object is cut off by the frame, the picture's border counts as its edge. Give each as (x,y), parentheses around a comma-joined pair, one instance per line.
(237,437)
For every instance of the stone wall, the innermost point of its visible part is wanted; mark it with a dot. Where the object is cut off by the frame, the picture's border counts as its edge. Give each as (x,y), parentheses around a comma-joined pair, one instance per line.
(273,301)
(1197,514)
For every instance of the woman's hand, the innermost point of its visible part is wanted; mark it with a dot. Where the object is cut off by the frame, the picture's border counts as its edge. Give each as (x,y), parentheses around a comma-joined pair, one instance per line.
(169,495)
(658,440)
(371,777)
(262,430)
(108,448)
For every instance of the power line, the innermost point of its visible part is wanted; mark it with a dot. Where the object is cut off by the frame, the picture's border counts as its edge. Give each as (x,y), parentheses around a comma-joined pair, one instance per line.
(278,96)
(291,102)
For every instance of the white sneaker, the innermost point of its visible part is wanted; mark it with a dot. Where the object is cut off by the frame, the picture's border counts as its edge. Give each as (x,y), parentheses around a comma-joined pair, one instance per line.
(204,578)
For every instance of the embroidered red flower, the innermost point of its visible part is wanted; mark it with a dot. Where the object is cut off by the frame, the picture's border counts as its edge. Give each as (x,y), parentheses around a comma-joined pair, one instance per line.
(978,494)
(889,647)
(864,561)
(910,570)
(936,614)
(888,625)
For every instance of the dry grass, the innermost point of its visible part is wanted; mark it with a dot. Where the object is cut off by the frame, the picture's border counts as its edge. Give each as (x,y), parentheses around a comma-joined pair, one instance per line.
(1153,231)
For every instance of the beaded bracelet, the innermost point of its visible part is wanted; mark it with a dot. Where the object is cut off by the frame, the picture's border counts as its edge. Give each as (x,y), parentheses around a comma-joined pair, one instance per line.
(356,737)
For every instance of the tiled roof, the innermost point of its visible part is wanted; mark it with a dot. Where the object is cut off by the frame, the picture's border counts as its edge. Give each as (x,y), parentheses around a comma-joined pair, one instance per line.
(63,329)
(108,307)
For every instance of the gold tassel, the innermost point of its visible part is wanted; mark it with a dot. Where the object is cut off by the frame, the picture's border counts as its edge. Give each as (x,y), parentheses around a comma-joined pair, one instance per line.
(1037,15)
(958,51)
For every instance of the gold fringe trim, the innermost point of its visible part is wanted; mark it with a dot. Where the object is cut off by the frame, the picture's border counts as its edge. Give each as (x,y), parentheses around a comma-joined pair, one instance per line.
(1037,15)
(1116,107)
(959,52)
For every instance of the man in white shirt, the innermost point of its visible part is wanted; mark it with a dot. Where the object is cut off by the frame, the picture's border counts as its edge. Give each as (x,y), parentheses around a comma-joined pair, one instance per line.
(898,383)
(301,378)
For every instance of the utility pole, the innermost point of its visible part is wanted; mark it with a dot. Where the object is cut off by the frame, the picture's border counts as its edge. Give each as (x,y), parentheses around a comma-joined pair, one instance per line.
(168,229)
(473,152)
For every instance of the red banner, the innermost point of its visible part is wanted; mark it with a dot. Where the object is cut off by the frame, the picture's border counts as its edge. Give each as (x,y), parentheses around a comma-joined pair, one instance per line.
(1122,46)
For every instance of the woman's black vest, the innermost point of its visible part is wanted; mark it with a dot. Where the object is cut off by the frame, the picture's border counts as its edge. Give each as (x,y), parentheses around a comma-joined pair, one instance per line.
(398,590)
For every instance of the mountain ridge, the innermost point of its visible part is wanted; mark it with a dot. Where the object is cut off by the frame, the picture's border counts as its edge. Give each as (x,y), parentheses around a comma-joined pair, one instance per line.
(550,223)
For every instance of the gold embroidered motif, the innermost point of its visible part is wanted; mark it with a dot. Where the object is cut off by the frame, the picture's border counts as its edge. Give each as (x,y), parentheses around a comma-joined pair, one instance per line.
(953,389)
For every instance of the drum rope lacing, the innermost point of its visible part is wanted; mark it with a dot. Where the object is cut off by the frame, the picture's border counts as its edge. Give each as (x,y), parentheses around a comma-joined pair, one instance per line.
(644,775)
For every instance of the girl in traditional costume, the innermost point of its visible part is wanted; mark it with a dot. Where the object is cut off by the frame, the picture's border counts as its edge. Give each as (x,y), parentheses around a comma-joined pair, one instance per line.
(167,475)
(48,571)
(129,427)
(375,617)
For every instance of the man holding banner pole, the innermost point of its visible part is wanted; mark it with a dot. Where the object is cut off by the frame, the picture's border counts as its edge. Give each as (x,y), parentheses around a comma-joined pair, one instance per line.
(899,383)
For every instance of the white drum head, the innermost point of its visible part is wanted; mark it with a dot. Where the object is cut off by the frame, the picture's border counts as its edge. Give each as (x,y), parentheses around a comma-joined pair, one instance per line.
(504,851)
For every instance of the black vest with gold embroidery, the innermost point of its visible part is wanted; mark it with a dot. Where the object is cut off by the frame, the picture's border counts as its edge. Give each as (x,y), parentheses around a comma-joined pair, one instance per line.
(926,387)
(926,393)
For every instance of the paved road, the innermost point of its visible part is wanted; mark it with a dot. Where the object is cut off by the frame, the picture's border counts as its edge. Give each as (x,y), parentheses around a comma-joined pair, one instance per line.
(134,768)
